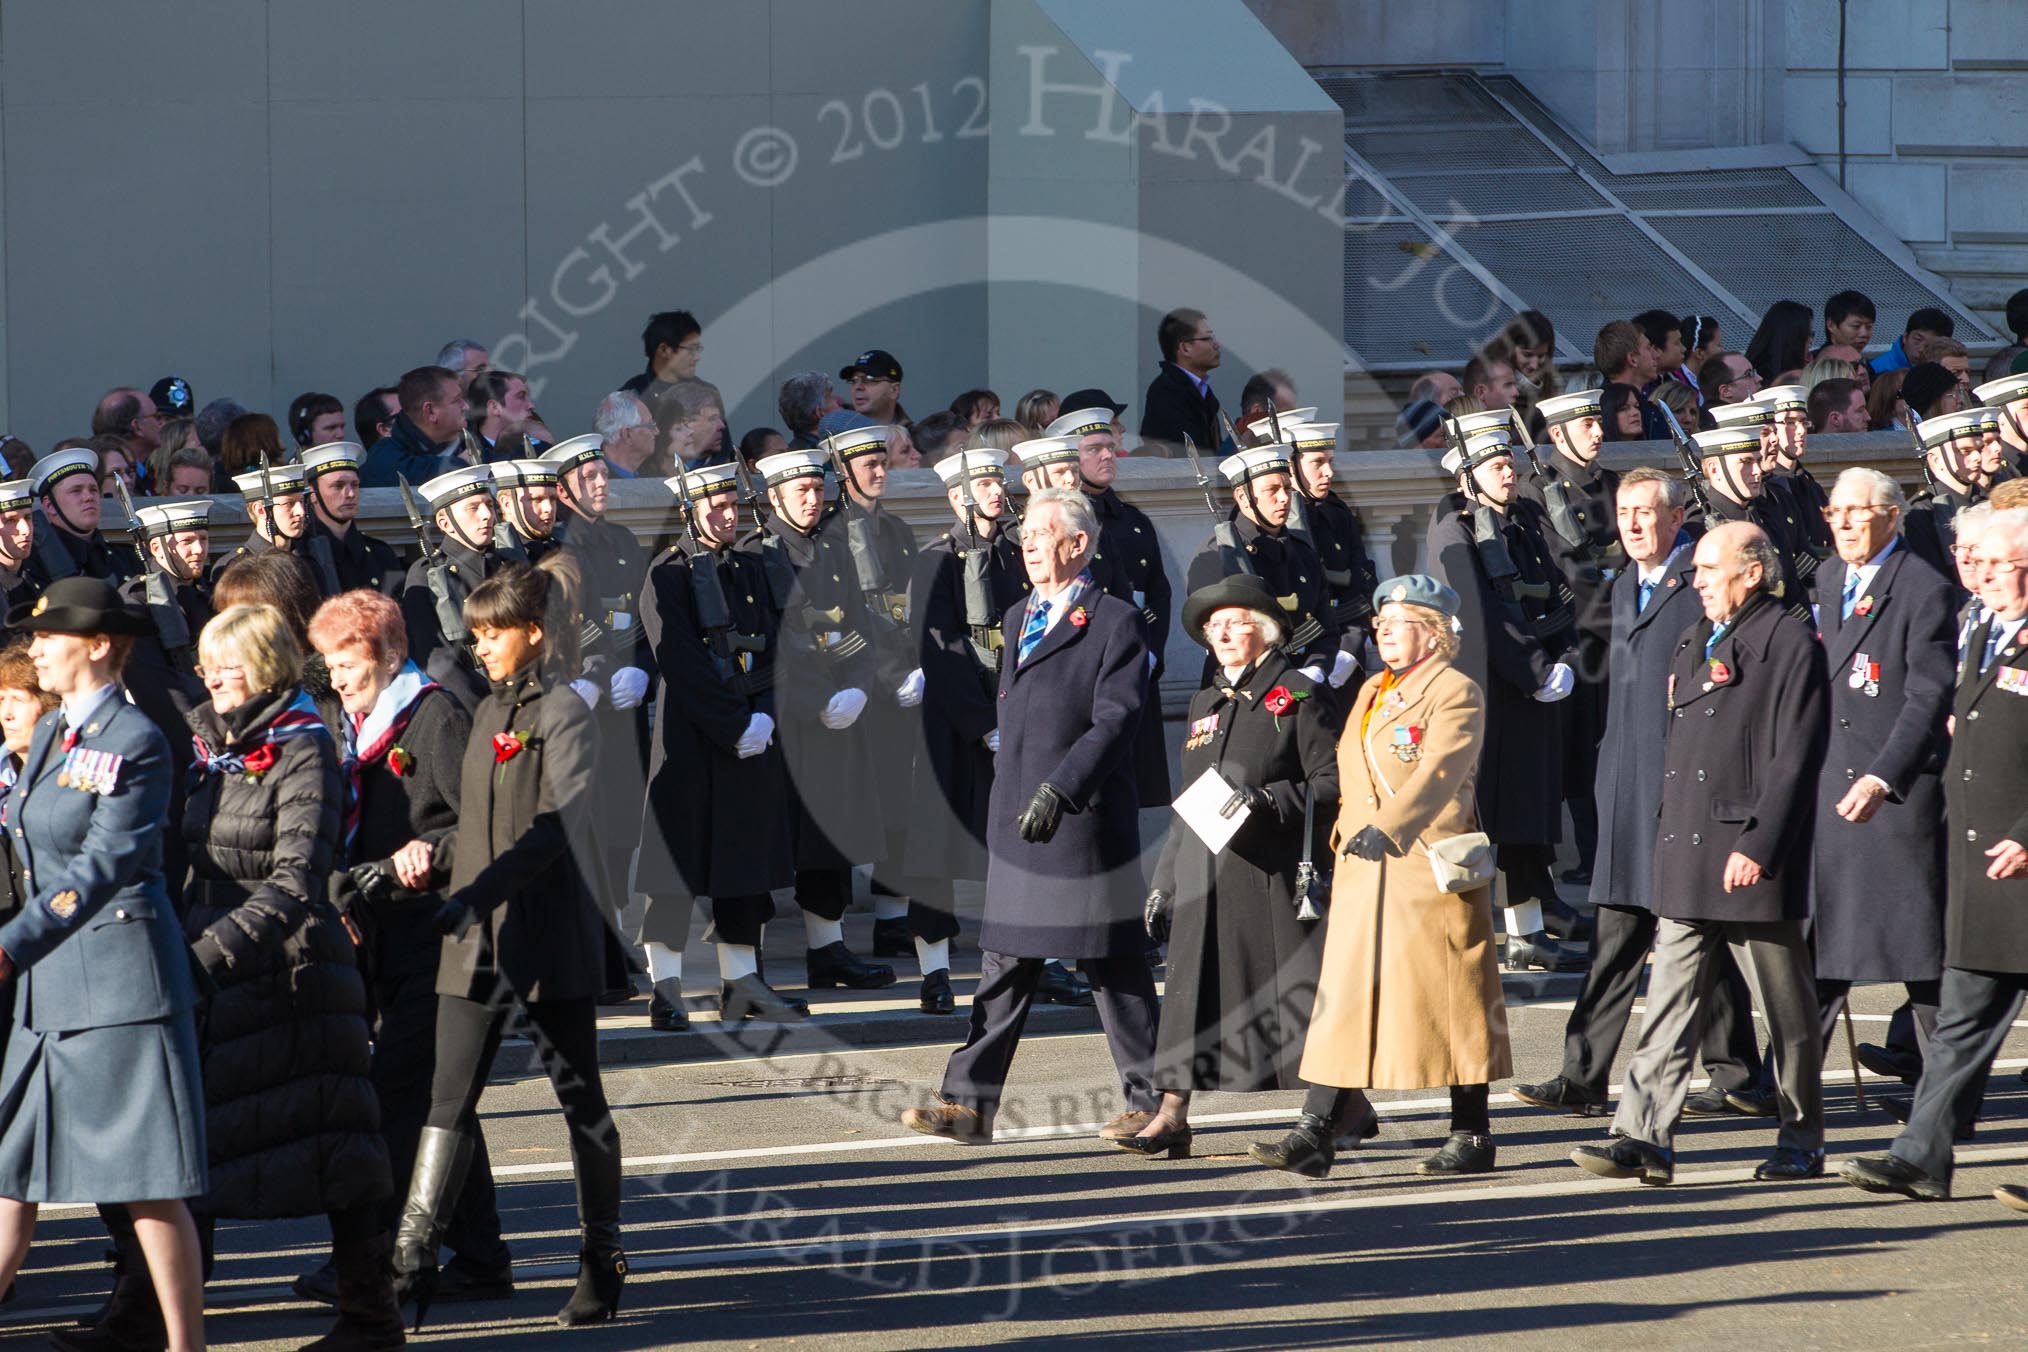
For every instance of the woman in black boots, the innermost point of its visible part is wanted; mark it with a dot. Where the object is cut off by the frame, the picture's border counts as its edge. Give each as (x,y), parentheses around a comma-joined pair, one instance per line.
(522,926)
(293,1121)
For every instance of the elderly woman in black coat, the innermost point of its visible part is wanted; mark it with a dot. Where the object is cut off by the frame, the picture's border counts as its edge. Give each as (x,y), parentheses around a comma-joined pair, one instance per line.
(1242,960)
(294,1125)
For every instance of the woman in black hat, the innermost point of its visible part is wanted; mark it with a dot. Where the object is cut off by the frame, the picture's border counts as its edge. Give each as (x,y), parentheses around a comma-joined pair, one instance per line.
(100,1093)
(1242,957)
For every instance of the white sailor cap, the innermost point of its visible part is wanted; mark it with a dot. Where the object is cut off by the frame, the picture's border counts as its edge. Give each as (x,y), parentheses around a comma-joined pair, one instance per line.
(525,474)
(2005,390)
(1079,423)
(783,466)
(1934,432)
(174,514)
(571,452)
(457,485)
(47,472)
(1988,418)
(1263,427)
(1040,451)
(1311,436)
(1563,408)
(16,496)
(1470,425)
(1785,398)
(1253,463)
(1491,443)
(281,479)
(972,465)
(1748,413)
(1737,439)
(330,456)
(854,442)
(707,481)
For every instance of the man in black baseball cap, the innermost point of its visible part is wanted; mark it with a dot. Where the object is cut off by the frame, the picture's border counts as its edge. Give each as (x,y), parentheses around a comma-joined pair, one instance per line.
(876,386)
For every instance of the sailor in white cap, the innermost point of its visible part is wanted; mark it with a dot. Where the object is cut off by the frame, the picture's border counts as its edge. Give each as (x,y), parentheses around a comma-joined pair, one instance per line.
(1492,546)
(1333,529)
(526,491)
(434,591)
(1258,429)
(719,810)
(331,470)
(1047,462)
(176,532)
(824,672)
(17,541)
(1996,466)
(1731,457)
(1789,407)
(280,516)
(1951,443)
(2009,395)
(67,539)
(1254,538)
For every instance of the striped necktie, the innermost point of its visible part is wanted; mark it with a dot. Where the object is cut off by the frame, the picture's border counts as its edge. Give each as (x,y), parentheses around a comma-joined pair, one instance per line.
(1851,593)
(1032,631)
(1647,595)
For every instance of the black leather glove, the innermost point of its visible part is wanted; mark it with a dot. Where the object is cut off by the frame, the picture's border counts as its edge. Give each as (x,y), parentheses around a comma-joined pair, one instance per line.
(1370,843)
(1155,915)
(455,918)
(1044,815)
(375,881)
(1246,796)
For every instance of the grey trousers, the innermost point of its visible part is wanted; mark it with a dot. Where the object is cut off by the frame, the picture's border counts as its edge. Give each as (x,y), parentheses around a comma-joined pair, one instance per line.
(1776,963)
(1973,1019)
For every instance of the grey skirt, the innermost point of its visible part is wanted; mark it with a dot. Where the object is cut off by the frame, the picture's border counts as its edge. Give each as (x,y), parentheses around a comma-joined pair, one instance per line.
(103,1114)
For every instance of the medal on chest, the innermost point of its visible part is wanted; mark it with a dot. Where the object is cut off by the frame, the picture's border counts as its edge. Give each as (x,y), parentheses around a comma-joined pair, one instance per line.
(2013,680)
(1201,731)
(1865,675)
(1407,742)
(89,771)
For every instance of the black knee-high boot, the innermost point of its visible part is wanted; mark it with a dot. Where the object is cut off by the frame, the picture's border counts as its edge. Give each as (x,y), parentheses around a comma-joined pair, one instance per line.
(441,1157)
(601,1263)
(369,1315)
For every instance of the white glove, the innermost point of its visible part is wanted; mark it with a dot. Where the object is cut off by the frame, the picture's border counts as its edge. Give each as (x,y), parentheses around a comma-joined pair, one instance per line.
(1315,671)
(629,686)
(1342,667)
(587,692)
(843,710)
(993,741)
(910,693)
(760,729)
(1559,684)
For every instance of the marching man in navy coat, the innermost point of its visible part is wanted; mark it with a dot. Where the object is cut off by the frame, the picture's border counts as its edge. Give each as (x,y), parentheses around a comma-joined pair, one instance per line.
(1063,877)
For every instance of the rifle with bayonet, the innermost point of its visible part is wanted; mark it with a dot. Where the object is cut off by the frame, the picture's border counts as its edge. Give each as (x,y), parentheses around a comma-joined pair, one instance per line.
(1503,575)
(172,627)
(1563,518)
(888,609)
(731,652)
(1232,556)
(1693,465)
(437,573)
(981,630)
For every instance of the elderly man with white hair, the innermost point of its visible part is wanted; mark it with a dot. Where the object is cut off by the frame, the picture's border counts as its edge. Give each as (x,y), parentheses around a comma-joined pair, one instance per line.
(1063,877)
(626,433)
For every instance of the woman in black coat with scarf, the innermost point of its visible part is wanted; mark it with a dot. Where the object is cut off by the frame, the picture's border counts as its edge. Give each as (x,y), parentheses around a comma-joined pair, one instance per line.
(522,926)
(292,1120)
(1242,961)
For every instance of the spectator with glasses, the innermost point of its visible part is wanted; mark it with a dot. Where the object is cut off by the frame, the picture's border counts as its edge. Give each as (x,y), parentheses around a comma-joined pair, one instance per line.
(1180,401)
(876,386)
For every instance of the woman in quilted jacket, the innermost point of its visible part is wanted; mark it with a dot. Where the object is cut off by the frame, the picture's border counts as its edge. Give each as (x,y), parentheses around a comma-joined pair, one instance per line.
(292,1119)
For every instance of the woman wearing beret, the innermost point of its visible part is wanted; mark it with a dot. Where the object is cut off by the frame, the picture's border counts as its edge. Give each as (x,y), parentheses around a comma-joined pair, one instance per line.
(1242,961)
(294,1123)
(1409,996)
(100,1094)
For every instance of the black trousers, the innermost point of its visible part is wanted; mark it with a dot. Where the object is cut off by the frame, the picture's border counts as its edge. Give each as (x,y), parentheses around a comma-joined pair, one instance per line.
(404,1064)
(1598,1021)
(932,908)
(1975,1012)
(1122,987)
(566,1037)
(824,892)
(1471,1106)
(1918,1014)
(734,920)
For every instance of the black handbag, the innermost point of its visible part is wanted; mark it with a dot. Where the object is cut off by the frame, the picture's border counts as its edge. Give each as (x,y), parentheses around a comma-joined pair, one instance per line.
(1313,890)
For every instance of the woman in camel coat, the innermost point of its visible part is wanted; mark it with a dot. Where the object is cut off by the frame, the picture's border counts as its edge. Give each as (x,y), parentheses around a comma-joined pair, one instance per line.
(1409,996)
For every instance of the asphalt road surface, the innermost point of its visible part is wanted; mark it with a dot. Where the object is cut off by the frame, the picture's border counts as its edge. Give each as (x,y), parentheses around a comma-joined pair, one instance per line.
(774,1202)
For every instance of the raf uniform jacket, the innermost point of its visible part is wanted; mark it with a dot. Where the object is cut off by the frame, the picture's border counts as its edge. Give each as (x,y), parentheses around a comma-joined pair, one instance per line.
(1067,718)
(1878,885)
(1986,785)
(1173,409)
(1128,564)
(1628,786)
(1747,729)
(1292,571)
(449,664)
(96,940)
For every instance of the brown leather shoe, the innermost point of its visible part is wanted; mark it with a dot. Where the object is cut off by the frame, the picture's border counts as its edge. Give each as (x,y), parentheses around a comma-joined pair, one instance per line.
(2012,1195)
(949,1121)
(1126,1124)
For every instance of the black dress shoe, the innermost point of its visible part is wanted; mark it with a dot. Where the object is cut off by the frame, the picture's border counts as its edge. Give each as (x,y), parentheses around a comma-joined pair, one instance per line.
(1707,1102)
(666,1013)
(2010,1195)
(1789,1162)
(1625,1157)
(318,1284)
(1903,1066)
(1175,1144)
(749,997)
(891,938)
(460,1279)
(1899,1109)
(618,995)
(1576,877)
(1466,1152)
(1561,1093)
(837,965)
(1890,1173)
(1353,1136)
(1752,1102)
(937,997)
(1565,921)
(1061,986)
(1307,1150)
(1528,951)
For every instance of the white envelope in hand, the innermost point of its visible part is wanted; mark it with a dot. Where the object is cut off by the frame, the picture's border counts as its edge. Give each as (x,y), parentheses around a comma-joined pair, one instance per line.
(1200,806)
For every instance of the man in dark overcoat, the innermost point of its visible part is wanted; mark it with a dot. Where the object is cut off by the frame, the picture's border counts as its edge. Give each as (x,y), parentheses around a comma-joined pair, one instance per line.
(1986,913)
(973,567)
(1748,711)
(1731,457)
(716,822)
(1653,603)
(1064,877)
(1490,546)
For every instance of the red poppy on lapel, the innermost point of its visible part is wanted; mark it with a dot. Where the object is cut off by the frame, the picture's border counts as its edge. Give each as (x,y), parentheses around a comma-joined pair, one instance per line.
(259,761)
(1079,618)
(507,745)
(1864,608)
(1720,673)
(400,761)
